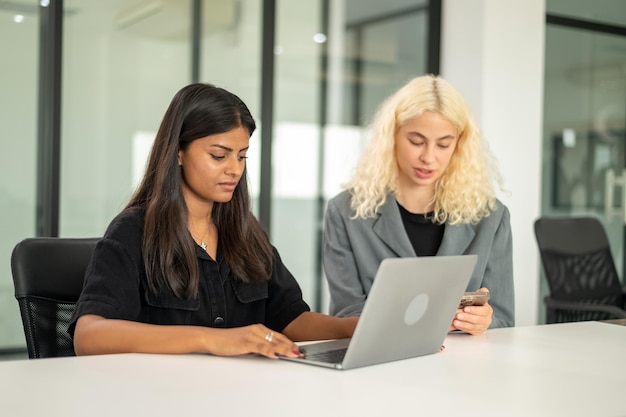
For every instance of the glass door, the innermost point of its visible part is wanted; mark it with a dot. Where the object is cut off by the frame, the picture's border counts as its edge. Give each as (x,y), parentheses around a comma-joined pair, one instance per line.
(584,167)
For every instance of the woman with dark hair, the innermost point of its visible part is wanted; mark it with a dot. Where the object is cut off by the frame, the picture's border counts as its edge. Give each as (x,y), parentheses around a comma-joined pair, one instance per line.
(186,267)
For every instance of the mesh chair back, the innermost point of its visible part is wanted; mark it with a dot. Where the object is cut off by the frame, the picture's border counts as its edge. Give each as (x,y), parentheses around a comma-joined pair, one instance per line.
(48,276)
(578,266)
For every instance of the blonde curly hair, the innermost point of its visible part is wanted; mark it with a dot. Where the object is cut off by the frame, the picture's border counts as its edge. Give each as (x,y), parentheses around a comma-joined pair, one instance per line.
(465,193)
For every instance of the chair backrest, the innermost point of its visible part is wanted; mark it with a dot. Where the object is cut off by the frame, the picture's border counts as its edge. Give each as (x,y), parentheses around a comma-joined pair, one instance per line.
(48,276)
(577,261)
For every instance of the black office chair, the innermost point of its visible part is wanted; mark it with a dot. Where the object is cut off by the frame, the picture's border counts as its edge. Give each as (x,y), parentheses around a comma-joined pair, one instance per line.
(579,267)
(48,277)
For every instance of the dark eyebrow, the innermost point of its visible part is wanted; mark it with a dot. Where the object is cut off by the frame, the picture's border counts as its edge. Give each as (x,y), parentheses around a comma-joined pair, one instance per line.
(227,149)
(425,138)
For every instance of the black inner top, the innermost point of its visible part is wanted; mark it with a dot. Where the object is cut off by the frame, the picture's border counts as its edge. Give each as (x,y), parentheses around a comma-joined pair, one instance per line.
(425,236)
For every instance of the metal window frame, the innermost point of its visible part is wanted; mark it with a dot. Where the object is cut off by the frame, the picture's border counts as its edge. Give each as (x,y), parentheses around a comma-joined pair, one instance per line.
(49,118)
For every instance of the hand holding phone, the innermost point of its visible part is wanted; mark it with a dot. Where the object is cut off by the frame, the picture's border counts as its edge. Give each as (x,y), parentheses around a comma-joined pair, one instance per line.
(474,298)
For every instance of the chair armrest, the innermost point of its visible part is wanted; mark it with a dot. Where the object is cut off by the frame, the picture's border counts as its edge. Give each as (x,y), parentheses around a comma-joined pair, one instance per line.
(575,305)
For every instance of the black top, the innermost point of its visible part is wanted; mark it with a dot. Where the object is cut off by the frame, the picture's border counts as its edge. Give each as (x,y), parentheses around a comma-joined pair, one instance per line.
(425,236)
(116,288)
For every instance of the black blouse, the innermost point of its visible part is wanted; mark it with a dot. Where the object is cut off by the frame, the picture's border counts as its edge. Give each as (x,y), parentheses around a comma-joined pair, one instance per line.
(116,288)
(425,236)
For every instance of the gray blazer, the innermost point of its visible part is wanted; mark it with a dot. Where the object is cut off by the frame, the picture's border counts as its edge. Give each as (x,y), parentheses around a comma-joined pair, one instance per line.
(353,249)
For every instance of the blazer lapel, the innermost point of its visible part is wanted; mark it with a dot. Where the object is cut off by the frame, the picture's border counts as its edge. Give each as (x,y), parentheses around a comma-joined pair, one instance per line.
(456,239)
(389,228)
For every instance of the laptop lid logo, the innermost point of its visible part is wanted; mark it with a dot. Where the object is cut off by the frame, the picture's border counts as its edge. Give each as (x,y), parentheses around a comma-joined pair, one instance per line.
(416,309)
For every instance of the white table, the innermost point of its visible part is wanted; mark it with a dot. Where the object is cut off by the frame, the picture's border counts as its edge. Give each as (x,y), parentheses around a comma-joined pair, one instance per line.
(575,369)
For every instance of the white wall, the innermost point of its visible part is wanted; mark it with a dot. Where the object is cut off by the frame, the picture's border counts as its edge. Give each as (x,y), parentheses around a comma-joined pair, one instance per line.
(493,52)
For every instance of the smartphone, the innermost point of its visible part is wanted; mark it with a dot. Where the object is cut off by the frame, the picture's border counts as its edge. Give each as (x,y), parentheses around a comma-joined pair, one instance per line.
(474,298)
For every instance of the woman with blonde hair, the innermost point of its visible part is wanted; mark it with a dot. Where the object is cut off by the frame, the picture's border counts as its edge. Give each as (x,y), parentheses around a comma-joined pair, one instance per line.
(425,186)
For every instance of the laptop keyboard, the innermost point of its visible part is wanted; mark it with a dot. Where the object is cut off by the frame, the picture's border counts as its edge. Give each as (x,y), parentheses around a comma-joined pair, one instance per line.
(327,356)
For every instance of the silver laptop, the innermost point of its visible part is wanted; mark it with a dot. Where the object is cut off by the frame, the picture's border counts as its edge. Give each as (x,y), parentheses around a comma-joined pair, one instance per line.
(408,313)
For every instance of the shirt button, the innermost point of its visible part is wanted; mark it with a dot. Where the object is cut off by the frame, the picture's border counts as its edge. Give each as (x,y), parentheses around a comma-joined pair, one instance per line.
(218,321)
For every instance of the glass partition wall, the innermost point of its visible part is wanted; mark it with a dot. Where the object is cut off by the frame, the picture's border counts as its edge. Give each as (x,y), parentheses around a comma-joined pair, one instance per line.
(122,61)
(333,69)
(584,162)
(19,43)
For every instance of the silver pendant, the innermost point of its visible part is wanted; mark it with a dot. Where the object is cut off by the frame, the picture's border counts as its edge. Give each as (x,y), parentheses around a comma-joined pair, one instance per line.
(203,245)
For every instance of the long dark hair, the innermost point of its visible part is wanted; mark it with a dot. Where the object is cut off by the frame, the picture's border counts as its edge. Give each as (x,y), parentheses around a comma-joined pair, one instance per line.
(196,111)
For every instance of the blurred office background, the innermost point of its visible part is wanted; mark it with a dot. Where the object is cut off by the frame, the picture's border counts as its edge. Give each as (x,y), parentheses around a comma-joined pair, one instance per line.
(546,80)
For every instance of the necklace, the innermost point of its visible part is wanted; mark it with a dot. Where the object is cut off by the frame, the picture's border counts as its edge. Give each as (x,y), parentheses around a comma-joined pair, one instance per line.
(202,243)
